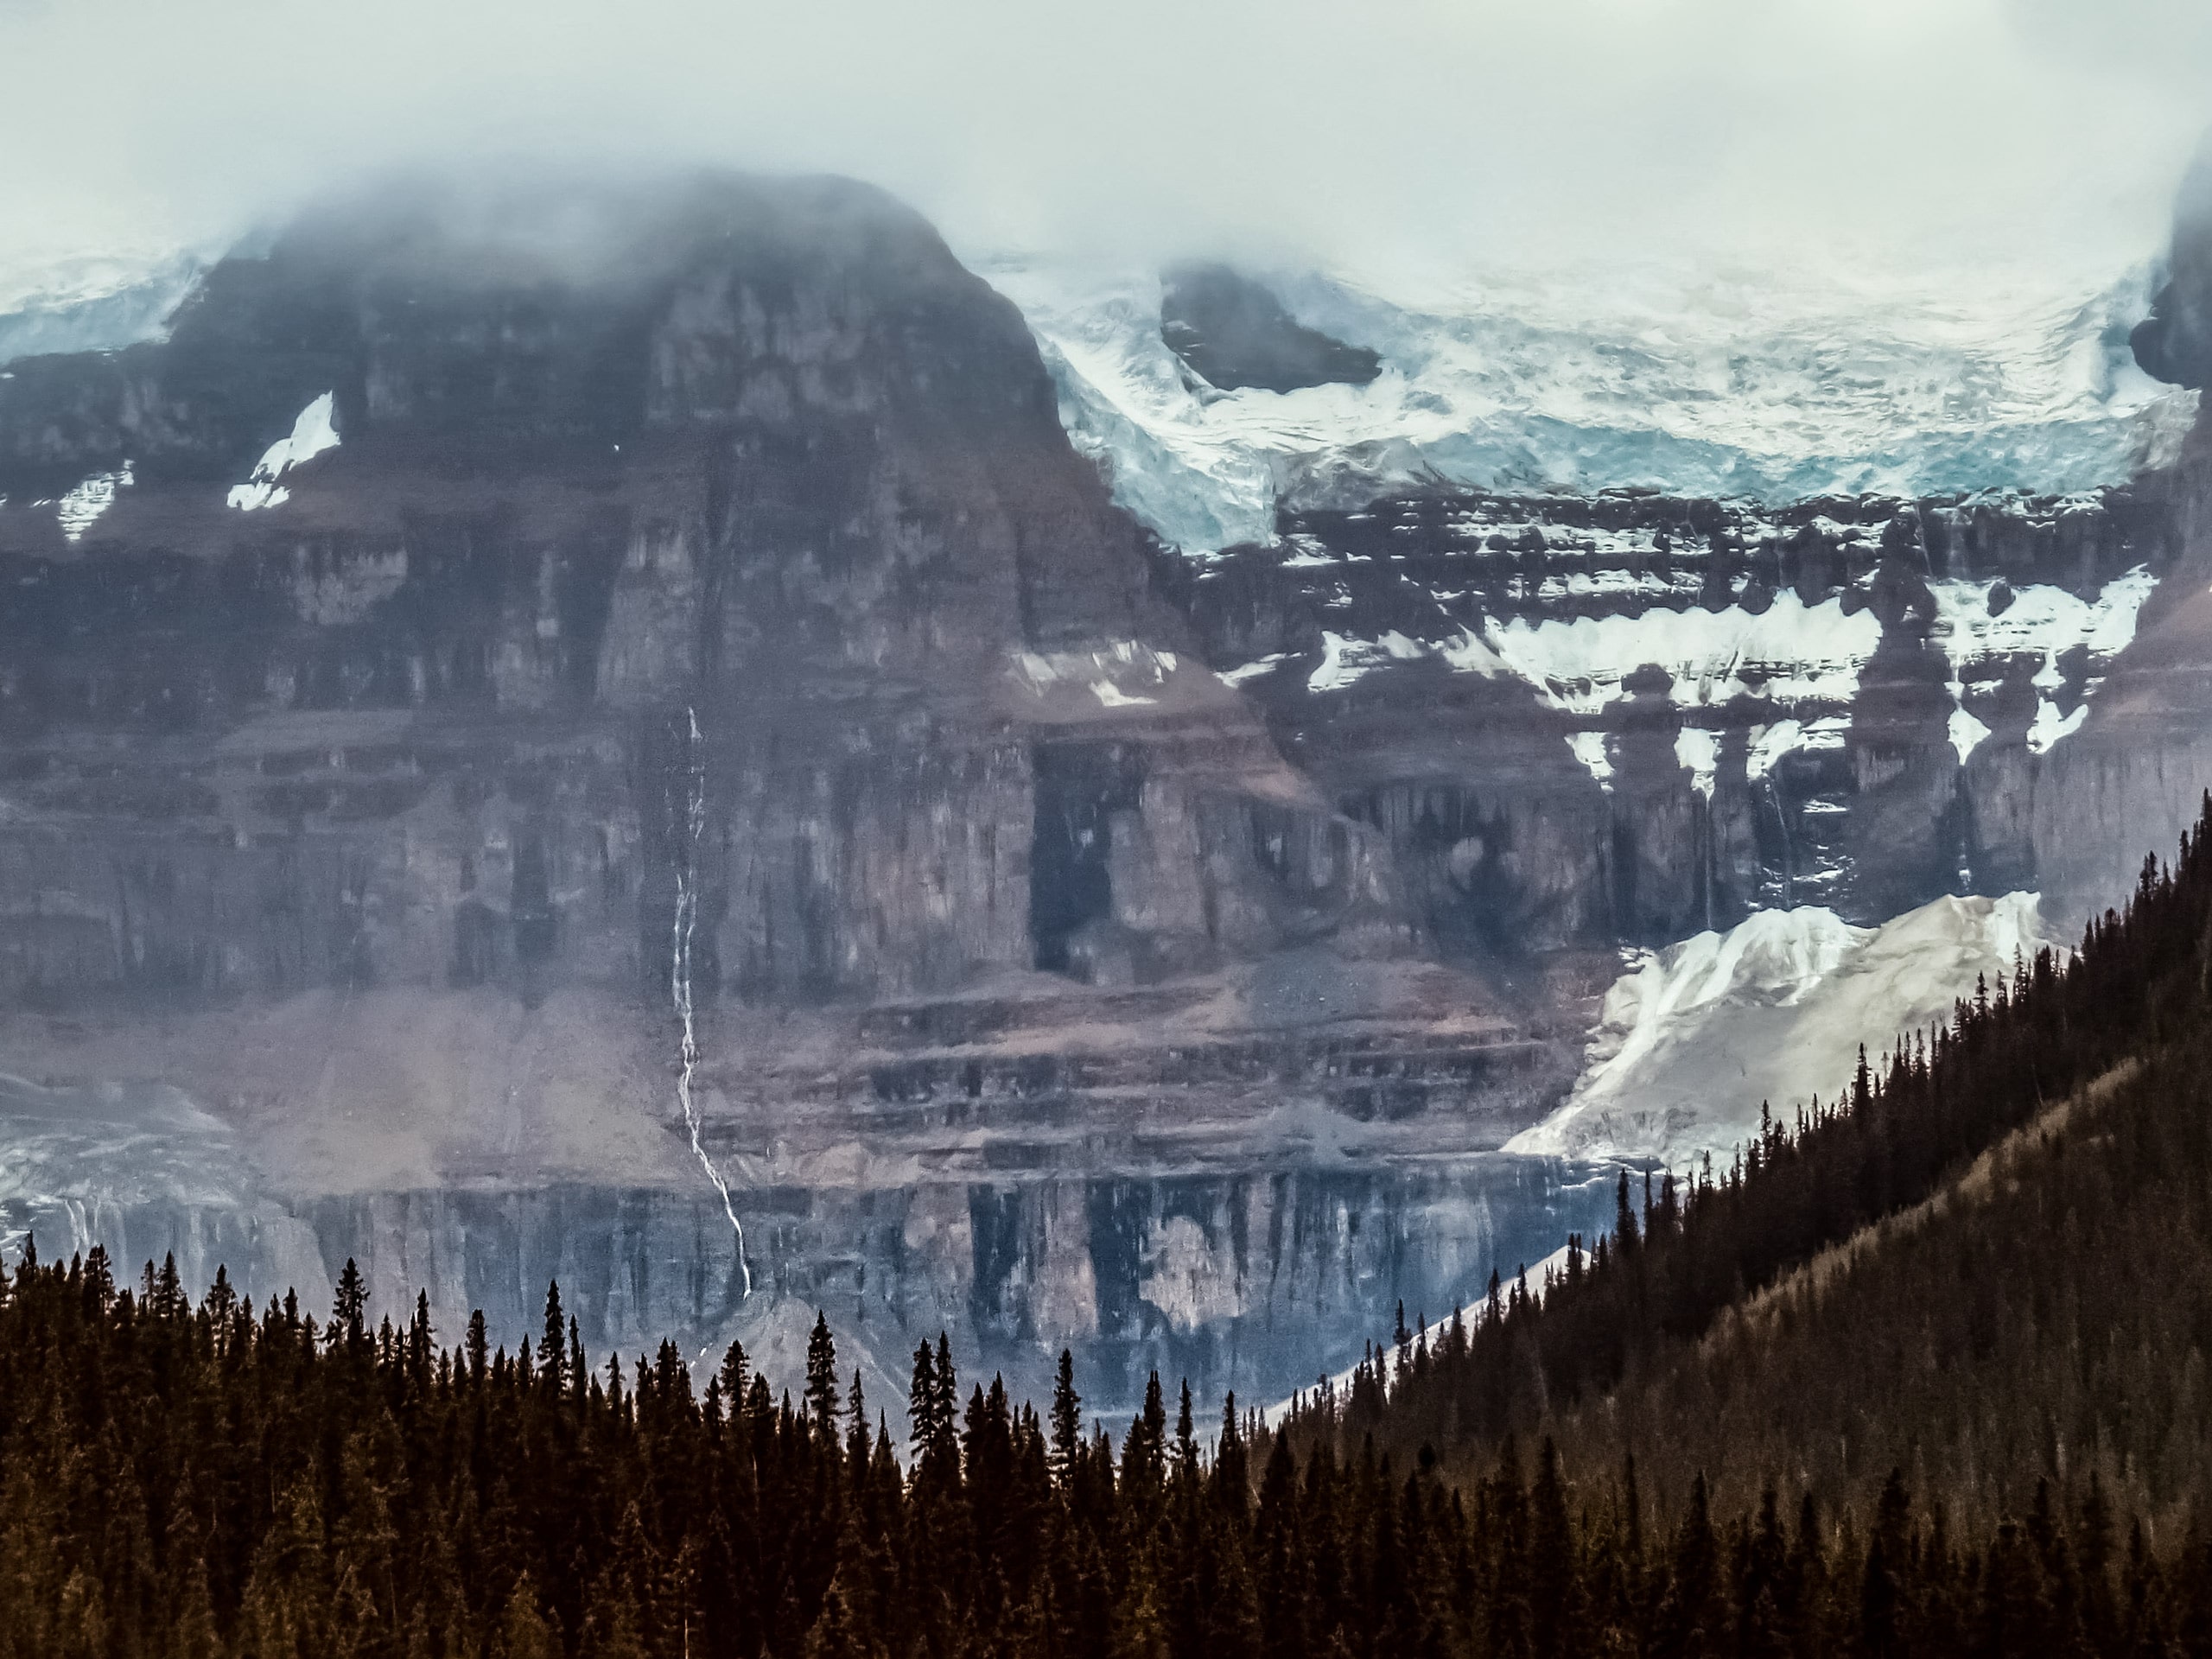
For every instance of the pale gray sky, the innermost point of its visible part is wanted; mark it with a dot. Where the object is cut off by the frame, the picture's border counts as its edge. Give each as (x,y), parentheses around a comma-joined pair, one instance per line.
(1353,131)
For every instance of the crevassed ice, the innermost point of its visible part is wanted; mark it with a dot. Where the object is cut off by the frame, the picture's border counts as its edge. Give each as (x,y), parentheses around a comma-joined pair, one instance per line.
(1126,403)
(90,302)
(311,435)
(1694,1039)
(1768,384)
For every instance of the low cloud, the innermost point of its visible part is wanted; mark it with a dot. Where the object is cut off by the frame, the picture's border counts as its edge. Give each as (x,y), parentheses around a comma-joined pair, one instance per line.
(1880,134)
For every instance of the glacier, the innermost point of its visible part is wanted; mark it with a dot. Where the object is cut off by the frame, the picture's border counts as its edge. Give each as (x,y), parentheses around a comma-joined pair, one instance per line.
(93,302)
(1693,1040)
(1764,385)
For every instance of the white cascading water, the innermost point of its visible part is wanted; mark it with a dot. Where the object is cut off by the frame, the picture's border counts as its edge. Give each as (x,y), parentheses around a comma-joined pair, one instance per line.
(679,978)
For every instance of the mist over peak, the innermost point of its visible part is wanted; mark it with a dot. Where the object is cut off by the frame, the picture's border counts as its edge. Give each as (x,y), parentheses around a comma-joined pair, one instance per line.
(1411,136)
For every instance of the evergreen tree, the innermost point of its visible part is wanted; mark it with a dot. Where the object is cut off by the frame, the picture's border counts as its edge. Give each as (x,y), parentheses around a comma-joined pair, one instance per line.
(552,1344)
(821,1381)
(1067,1420)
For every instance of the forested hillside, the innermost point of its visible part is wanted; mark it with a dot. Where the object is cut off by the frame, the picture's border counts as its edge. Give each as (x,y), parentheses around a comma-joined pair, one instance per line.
(1989,1264)
(1924,1373)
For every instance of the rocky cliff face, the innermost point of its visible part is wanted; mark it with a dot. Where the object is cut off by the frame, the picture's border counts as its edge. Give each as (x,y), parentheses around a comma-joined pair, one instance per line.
(496,617)
(502,630)
(780,463)
(1631,717)
(2174,343)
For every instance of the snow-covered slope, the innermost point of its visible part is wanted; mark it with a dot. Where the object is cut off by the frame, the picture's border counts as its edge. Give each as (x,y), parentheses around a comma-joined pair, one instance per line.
(1757,385)
(1694,1039)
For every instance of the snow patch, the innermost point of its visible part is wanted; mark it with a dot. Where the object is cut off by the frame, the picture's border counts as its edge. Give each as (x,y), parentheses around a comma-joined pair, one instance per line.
(1966,732)
(1790,652)
(1114,697)
(1250,671)
(2050,725)
(1697,752)
(1106,673)
(1592,749)
(311,435)
(1693,1039)
(1975,626)
(84,504)
(1344,659)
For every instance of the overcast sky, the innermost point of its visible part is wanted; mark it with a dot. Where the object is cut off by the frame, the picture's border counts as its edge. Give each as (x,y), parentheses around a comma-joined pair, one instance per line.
(1353,132)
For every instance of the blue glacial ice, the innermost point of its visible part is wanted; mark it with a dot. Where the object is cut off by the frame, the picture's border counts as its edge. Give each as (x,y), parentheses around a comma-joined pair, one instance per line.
(1758,385)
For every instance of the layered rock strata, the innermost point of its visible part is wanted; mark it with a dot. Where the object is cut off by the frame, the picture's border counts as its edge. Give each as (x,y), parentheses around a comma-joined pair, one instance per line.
(1631,717)
(493,603)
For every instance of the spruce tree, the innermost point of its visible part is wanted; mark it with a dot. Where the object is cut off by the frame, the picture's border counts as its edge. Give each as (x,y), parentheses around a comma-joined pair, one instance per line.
(821,1381)
(552,1343)
(1066,1420)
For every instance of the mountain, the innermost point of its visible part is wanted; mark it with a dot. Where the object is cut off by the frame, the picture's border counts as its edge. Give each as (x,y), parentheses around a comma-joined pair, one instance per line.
(500,617)
(614,728)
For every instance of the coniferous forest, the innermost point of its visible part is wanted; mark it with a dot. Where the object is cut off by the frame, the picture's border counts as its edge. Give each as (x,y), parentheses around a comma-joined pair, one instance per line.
(1923,1372)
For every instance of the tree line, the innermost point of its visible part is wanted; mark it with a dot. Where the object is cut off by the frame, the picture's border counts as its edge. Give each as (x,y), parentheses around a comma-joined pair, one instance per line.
(199,1480)
(1541,1476)
(2131,1007)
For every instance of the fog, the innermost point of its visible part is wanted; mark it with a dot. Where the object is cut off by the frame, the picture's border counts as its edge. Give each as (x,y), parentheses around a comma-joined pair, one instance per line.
(1414,135)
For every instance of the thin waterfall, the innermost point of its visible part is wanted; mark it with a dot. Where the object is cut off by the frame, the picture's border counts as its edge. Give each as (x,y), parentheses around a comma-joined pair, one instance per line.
(679,977)
(1788,853)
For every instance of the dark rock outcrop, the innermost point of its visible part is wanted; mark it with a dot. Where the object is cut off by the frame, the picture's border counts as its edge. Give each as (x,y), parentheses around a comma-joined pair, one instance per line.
(1232,333)
(2174,343)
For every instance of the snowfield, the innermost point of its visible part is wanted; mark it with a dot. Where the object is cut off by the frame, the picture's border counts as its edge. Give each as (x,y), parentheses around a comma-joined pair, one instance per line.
(1694,1038)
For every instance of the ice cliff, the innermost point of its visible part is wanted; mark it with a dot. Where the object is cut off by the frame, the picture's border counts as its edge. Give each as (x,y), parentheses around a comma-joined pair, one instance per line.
(1760,384)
